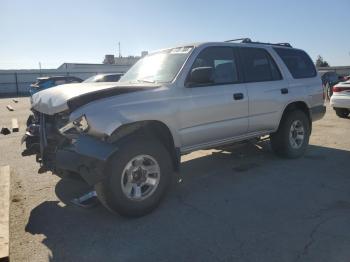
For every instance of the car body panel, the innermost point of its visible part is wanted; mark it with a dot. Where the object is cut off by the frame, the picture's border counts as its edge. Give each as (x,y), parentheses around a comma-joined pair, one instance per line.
(196,117)
(55,100)
(46,82)
(341,99)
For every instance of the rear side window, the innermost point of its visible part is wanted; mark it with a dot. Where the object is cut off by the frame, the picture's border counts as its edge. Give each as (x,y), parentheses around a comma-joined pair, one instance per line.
(298,62)
(258,65)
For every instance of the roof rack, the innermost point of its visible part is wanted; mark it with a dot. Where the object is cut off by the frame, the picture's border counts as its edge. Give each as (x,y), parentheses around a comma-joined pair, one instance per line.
(243,40)
(249,41)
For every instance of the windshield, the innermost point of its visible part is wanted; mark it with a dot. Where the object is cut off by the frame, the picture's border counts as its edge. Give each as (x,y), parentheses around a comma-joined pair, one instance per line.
(159,67)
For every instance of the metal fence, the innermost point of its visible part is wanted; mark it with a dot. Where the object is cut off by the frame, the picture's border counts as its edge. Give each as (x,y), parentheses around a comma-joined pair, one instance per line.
(17,82)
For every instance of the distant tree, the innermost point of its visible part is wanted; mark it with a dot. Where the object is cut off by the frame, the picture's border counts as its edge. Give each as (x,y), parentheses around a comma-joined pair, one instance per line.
(321,63)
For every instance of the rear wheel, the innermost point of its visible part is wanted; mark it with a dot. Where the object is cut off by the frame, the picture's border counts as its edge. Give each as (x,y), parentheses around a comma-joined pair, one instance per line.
(292,136)
(342,112)
(136,177)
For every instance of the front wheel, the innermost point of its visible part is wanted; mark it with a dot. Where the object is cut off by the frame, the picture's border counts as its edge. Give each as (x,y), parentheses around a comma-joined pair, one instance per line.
(292,136)
(342,112)
(136,177)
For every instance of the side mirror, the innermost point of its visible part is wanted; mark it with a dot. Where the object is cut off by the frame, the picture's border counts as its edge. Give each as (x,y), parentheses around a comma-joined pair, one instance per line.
(201,75)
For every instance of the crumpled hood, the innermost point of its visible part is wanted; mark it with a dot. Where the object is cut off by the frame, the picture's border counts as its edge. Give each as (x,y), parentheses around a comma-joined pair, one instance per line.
(71,96)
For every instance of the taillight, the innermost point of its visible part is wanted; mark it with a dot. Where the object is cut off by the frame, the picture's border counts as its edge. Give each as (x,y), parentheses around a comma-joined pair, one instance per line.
(340,89)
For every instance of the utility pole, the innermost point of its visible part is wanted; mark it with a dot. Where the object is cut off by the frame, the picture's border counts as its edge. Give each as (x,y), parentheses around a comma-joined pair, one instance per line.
(120,55)
(40,67)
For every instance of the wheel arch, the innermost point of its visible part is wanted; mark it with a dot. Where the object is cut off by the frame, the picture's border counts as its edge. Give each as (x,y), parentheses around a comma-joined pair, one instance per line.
(296,105)
(154,128)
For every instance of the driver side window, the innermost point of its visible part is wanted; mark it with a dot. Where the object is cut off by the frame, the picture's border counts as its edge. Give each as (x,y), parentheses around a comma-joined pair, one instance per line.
(222,62)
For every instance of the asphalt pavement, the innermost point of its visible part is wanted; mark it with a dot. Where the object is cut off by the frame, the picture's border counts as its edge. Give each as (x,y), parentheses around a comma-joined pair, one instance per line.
(242,204)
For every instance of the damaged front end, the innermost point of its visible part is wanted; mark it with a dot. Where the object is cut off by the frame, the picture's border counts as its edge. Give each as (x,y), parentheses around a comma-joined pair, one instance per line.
(67,146)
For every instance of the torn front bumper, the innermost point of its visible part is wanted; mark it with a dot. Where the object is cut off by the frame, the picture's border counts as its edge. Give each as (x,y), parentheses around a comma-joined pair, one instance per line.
(87,156)
(31,137)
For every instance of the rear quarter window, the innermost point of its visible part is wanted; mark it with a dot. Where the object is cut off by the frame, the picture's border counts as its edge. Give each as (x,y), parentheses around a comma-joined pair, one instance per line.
(298,62)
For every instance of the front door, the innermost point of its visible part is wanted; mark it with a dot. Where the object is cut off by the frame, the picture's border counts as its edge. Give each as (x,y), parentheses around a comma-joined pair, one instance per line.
(219,109)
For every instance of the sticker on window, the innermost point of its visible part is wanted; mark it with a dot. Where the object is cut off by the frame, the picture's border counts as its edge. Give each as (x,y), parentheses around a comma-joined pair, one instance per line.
(181,50)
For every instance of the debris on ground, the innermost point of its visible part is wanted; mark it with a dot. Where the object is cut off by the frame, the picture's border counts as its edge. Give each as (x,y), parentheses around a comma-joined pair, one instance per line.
(15,100)
(10,108)
(5,131)
(87,200)
(15,126)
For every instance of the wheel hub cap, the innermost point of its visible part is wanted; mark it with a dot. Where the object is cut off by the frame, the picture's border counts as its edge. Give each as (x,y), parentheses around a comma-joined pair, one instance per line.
(140,177)
(296,134)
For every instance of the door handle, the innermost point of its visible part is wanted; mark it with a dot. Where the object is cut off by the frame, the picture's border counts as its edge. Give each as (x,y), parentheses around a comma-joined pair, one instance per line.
(238,96)
(284,91)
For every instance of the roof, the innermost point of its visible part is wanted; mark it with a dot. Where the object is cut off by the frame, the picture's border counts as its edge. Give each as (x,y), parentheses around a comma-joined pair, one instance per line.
(233,42)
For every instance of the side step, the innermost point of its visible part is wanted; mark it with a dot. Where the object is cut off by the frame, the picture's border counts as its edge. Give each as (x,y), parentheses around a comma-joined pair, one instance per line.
(87,200)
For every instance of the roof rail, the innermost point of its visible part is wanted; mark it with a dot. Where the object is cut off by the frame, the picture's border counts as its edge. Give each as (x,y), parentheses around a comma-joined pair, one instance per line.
(243,40)
(249,41)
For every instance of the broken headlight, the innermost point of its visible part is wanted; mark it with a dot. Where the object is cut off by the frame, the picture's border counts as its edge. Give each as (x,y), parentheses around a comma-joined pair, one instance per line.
(80,124)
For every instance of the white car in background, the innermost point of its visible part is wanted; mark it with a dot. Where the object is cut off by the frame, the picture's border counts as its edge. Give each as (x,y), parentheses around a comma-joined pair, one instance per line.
(340,101)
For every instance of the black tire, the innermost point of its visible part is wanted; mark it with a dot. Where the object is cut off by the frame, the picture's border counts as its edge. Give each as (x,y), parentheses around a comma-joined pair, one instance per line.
(110,192)
(280,140)
(33,144)
(342,112)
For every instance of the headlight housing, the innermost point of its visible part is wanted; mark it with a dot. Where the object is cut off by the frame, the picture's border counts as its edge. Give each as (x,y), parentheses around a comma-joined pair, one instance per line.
(80,124)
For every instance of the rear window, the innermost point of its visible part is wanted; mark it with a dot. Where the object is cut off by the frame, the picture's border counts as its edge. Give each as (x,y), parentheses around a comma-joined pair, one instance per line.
(298,62)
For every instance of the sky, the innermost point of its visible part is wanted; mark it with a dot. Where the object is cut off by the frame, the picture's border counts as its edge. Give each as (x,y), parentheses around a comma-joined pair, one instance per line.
(53,32)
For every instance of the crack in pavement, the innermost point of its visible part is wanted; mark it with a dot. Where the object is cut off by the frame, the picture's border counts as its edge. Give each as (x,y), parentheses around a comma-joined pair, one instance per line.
(311,238)
(339,205)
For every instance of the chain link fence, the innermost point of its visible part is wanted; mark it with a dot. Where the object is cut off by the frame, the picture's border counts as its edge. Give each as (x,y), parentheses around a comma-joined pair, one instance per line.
(17,82)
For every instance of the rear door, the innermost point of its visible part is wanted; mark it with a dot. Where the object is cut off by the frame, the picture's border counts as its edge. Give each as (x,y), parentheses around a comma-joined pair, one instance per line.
(267,90)
(304,82)
(218,110)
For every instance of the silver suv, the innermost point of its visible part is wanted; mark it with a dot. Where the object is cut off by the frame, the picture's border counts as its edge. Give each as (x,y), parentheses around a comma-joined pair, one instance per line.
(126,138)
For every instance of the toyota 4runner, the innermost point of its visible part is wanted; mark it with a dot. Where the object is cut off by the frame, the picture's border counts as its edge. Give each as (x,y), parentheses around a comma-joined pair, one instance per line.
(126,139)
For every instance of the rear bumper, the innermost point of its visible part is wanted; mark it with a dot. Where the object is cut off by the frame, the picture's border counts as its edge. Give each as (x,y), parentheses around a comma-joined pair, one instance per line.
(87,156)
(317,112)
(338,101)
